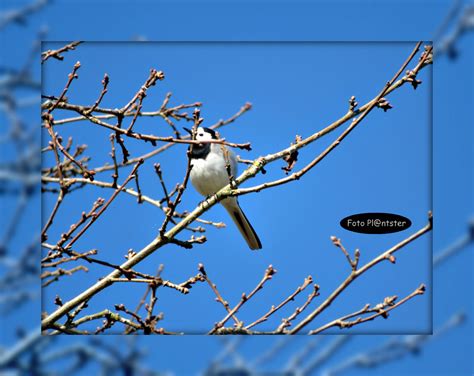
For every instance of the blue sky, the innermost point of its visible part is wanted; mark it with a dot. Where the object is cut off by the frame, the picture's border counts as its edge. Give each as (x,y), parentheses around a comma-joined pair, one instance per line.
(383,166)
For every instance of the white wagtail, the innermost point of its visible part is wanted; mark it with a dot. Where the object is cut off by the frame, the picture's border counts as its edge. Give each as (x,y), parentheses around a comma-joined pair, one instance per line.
(209,175)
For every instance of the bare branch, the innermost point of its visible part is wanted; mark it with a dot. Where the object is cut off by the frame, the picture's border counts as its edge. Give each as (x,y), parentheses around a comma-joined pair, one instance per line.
(56,54)
(381,309)
(269,272)
(356,273)
(308,280)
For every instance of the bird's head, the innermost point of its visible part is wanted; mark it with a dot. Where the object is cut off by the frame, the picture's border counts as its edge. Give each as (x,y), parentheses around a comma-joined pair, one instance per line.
(203,134)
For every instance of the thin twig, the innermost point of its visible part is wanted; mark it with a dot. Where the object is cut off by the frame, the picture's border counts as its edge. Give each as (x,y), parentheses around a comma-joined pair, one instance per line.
(71,77)
(381,309)
(269,272)
(105,83)
(308,280)
(219,297)
(357,273)
(56,54)
(105,206)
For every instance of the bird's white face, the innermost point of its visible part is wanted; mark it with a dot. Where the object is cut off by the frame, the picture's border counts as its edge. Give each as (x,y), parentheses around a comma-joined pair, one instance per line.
(202,135)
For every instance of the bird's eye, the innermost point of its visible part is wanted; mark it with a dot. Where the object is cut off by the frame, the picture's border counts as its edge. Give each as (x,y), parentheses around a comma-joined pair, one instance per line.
(200,135)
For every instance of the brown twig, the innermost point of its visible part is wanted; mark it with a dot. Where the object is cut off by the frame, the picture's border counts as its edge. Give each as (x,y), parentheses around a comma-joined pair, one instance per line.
(114,160)
(150,81)
(68,259)
(219,297)
(286,322)
(71,181)
(105,206)
(110,319)
(102,184)
(145,295)
(197,121)
(291,158)
(158,171)
(109,113)
(246,107)
(163,148)
(381,309)
(308,280)
(65,236)
(125,152)
(357,273)
(352,103)
(183,287)
(56,54)
(53,213)
(151,320)
(139,192)
(188,244)
(47,119)
(88,174)
(58,273)
(71,77)
(145,137)
(353,263)
(269,272)
(363,111)
(105,83)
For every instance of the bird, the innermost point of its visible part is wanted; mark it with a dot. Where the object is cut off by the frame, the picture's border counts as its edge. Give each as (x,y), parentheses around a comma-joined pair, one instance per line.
(209,174)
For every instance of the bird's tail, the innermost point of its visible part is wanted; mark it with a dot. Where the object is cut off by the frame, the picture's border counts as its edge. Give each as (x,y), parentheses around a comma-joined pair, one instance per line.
(232,206)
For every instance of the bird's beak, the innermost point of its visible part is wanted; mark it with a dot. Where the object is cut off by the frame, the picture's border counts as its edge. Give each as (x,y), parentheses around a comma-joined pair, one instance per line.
(188,130)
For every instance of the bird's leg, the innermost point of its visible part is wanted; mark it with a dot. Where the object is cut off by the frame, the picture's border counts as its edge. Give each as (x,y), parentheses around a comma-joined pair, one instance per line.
(205,203)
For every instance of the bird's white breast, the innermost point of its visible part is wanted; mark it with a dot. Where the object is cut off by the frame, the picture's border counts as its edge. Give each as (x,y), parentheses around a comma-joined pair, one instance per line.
(209,175)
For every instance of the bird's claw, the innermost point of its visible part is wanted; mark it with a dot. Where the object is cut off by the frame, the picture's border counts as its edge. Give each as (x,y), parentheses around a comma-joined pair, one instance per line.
(205,203)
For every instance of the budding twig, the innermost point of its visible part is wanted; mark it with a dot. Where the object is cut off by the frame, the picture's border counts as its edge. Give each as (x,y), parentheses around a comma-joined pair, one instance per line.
(197,121)
(105,83)
(356,273)
(219,297)
(170,144)
(105,206)
(363,112)
(286,322)
(269,272)
(353,263)
(381,309)
(56,54)
(114,160)
(308,280)
(71,77)
(60,272)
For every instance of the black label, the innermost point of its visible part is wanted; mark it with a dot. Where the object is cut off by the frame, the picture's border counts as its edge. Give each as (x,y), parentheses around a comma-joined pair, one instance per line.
(375,223)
